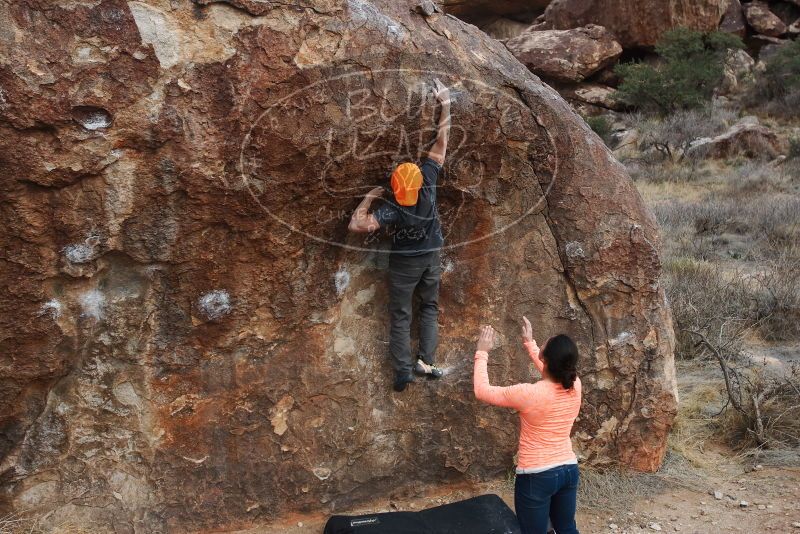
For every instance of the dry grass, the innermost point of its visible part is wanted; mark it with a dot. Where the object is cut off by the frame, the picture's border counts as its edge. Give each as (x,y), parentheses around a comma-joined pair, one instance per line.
(733,257)
(779,410)
(613,490)
(15,524)
(25,523)
(766,219)
(794,148)
(780,296)
(758,408)
(21,524)
(782,107)
(731,272)
(701,398)
(666,173)
(756,178)
(658,193)
(729,301)
(705,421)
(706,300)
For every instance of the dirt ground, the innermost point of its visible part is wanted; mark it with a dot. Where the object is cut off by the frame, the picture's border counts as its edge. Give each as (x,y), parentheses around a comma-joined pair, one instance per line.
(703,486)
(772,497)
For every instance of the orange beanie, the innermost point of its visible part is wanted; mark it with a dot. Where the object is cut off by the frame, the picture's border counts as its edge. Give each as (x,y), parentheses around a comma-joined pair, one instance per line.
(406,181)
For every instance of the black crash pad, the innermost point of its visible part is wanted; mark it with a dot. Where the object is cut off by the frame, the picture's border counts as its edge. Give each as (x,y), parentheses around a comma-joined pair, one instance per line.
(487,514)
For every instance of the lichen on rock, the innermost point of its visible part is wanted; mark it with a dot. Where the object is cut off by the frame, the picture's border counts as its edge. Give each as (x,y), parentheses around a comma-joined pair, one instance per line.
(215,304)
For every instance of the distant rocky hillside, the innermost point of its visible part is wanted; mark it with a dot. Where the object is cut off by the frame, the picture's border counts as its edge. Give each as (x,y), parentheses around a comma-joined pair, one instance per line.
(575,44)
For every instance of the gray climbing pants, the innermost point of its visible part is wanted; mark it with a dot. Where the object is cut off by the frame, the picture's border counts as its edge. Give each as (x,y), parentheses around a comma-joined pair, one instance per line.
(407,274)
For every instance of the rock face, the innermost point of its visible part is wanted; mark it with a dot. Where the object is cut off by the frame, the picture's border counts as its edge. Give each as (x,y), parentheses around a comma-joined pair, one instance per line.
(191,339)
(769,46)
(637,23)
(762,20)
(566,55)
(738,74)
(787,12)
(733,21)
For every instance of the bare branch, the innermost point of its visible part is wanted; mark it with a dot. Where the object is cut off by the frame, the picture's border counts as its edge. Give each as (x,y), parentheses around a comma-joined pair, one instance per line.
(735,399)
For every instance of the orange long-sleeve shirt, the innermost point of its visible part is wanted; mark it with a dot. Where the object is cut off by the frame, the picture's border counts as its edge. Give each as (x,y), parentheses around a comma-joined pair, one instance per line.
(546,411)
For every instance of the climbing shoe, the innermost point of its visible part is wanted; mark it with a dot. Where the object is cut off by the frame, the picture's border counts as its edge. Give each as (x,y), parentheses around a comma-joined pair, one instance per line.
(401,381)
(431,371)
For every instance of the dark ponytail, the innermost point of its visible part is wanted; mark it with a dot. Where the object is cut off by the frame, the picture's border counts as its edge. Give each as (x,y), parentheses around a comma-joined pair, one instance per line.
(561,355)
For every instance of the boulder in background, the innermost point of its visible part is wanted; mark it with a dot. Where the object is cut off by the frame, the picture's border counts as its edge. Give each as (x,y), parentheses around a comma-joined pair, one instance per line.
(762,20)
(787,12)
(566,55)
(738,71)
(637,23)
(748,138)
(594,94)
(733,21)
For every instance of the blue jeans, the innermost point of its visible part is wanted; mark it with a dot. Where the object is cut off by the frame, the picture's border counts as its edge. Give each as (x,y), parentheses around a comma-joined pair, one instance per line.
(550,494)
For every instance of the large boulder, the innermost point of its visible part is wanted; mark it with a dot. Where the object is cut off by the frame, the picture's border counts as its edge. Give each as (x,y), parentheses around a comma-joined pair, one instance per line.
(762,20)
(637,23)
(738,72)
(566,55)
(191,338)
(788,13)
(594,94)
(747,138)
(733,21)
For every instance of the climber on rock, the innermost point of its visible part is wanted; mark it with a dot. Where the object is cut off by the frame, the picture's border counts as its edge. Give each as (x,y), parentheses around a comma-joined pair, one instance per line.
(414,263)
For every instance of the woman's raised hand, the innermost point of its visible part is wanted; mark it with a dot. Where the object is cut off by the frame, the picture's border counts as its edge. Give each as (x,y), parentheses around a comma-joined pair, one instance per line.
(527,330)
(485,339)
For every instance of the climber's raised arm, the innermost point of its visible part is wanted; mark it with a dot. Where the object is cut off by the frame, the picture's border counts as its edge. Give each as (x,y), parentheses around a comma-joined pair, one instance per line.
(439,148)
(362,221)
(530,344)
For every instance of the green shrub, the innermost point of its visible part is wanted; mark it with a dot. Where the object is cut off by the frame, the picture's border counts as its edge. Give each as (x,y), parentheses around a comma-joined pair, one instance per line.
(691,67)
(777,91)
(601,126)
